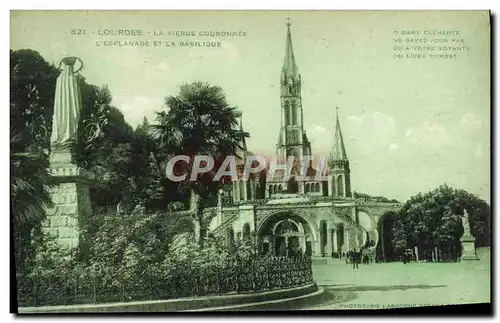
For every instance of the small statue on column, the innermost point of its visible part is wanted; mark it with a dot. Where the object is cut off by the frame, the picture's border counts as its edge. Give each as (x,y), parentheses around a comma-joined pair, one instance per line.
(465,224)
(467,240)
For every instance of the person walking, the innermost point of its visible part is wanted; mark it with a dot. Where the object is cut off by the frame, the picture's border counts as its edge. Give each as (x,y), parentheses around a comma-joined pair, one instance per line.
(355,261)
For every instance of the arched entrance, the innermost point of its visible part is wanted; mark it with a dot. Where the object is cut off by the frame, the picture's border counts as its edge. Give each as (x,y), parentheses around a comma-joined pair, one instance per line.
(385,248)
(285,234)
(369,237)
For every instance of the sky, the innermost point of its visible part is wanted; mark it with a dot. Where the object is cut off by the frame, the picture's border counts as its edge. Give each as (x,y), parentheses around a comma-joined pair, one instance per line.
(409,124)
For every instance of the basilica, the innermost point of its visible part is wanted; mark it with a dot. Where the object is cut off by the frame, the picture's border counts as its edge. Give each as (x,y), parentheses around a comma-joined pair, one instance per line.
(316,215)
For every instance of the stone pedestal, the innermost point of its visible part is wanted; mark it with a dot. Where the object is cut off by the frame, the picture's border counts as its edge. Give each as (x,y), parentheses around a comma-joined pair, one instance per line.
(71,200)
(468,248)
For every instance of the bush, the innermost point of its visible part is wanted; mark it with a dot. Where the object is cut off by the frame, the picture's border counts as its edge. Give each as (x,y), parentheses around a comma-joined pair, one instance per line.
(185,270)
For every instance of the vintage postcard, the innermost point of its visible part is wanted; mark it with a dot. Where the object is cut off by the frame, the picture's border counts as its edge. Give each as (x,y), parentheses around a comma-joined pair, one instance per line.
(169,161)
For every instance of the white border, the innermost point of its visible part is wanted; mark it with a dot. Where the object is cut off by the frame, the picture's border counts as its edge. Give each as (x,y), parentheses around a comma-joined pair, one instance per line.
(190,5)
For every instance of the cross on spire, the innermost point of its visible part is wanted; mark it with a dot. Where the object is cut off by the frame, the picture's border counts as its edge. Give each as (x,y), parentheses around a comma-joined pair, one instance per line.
(289,66)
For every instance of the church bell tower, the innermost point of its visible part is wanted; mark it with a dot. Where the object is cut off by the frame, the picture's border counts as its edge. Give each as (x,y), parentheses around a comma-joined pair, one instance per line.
(338,166)
(291,140)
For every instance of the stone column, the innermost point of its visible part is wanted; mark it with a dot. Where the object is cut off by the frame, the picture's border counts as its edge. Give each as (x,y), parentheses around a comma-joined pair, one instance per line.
(334,242)
(196,225)
(330,193)
(237,190)
(301,187)
(316,246)
(302,241)
(252,190)
(245,193)
(70,195)
(382,242)
(346,239)
(328,245)
(220,196)
(71,200)
(416,253)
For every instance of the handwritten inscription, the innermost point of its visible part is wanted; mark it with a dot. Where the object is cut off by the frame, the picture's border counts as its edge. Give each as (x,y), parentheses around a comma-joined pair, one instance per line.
(428,44)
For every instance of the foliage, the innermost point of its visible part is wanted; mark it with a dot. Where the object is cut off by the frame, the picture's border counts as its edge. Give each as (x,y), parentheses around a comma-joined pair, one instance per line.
(30,105)
(199,122)
(136,264)
(32,84)
(434,219)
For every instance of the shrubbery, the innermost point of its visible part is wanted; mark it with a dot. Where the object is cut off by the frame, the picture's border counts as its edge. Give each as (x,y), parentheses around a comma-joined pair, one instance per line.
(131,258)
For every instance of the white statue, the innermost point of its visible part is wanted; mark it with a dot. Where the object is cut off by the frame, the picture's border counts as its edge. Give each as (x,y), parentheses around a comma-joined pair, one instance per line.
(465,223)
(67,105)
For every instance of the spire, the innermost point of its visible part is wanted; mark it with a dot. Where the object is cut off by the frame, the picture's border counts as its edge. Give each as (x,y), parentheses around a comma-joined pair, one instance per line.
(241,152)
(338,145)
(289,66)
(243,142)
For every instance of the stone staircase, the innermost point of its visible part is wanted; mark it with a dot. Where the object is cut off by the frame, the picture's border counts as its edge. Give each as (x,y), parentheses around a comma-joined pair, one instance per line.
(327,261)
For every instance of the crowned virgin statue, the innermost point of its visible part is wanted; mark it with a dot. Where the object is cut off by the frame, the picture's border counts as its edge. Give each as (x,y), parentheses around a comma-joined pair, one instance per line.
(67,105)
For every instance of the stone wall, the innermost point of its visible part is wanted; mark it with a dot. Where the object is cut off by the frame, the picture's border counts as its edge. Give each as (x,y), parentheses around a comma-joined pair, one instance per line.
(71,208)
(71,200)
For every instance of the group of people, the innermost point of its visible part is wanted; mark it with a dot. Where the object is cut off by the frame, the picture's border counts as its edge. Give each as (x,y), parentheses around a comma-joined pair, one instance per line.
(355,257)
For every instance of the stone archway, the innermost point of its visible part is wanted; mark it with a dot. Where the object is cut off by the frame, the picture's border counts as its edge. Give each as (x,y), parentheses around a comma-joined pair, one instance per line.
(370,235)
(286,232)
(385,248)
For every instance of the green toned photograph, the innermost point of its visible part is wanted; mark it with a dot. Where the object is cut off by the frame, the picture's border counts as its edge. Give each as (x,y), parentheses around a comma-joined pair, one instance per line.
(222,161)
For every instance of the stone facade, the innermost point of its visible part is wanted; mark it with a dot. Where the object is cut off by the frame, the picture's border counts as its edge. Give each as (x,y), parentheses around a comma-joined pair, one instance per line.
(326,226)
(316,214)
(71,200)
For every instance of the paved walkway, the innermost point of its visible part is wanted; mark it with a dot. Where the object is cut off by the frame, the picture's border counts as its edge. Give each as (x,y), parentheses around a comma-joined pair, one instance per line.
(401,285)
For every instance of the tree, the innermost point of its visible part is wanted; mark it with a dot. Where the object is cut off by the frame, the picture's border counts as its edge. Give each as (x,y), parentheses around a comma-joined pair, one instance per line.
(399,240)
(31,105)
(199,122)
(32,86)
(433,220)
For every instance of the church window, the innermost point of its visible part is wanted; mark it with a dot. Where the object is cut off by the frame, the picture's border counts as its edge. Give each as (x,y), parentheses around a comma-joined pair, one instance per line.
(340,185)
(287,112)
(294,113)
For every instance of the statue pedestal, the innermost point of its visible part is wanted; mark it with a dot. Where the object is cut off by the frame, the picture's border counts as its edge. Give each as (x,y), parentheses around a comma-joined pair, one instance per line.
(468,248)
(71,200)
